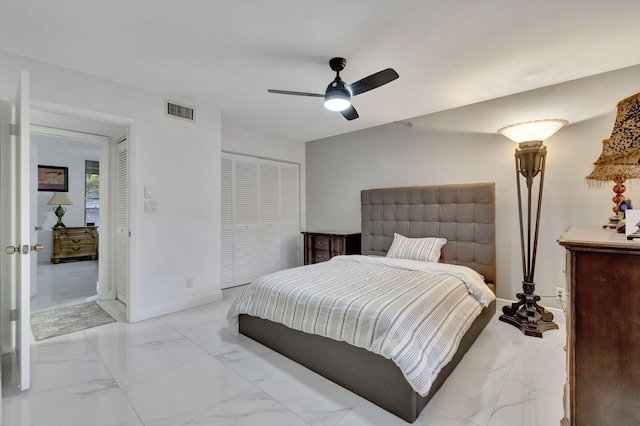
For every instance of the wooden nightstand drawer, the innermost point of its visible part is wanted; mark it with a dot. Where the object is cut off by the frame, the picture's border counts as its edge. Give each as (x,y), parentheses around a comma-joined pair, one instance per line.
(320,246)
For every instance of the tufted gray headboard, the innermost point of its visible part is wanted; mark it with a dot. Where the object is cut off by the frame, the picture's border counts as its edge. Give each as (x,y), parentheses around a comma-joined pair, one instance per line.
(464,214)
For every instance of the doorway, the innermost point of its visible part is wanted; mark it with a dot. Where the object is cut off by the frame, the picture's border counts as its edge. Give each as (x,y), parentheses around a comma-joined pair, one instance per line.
(85,148)
(66,272)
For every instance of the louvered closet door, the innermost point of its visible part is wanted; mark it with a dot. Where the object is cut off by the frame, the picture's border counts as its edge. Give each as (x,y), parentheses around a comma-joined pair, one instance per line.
(269,245)
(246,253)
(260,208)
(290,215)
(122,222)
(227,236)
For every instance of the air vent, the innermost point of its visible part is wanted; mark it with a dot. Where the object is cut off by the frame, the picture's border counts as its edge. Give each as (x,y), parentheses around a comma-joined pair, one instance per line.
(179,111)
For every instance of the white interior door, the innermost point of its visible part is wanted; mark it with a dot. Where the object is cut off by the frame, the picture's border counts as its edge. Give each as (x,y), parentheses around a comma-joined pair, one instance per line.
(16,227)
(6,269)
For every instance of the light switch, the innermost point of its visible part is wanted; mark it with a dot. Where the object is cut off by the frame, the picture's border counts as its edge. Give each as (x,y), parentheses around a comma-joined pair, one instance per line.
(150,207)
(148,192)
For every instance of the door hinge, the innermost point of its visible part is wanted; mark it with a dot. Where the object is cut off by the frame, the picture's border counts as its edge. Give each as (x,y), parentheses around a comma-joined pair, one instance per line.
(13,129)
(13,315)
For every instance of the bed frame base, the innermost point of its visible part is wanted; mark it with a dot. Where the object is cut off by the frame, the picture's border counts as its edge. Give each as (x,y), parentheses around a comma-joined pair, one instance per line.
(369,375)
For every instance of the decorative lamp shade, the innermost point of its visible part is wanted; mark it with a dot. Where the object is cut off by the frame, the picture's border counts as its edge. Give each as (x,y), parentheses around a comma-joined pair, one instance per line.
(604,173)
(624,143)
(60,199)
(538,130)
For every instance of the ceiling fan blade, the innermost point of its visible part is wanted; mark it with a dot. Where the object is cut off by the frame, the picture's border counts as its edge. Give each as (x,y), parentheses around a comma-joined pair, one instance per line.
(350,113)
(288,92)
(374,80)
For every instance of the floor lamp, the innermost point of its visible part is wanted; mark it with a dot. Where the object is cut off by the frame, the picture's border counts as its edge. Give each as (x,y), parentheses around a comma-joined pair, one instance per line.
(525,314)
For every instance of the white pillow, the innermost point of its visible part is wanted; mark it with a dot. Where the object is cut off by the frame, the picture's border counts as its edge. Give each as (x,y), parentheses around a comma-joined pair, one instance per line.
(424,249)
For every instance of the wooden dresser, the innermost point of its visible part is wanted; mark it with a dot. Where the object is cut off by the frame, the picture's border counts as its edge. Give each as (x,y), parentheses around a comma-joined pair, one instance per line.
(320,246)
(74,243)
(603,328)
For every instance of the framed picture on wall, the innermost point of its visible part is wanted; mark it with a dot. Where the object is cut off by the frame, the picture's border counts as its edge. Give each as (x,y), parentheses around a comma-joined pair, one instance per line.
(53,178)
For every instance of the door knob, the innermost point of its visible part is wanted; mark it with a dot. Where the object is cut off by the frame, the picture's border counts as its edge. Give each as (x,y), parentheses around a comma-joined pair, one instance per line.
(38,228)
(25,249)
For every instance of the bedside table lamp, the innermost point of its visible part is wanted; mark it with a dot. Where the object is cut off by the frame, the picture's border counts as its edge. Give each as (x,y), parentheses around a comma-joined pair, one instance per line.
(61,199)
(531,318)
(620,157)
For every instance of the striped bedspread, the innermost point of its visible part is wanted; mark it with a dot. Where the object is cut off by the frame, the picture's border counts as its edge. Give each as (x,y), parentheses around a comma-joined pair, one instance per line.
(414,313)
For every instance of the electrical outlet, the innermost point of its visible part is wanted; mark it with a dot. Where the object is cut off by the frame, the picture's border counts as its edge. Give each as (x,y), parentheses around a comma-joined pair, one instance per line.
(189,282)
(559,293)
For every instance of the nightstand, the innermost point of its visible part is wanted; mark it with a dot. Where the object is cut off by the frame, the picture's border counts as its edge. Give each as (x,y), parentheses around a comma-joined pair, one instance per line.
(74,243)
(320,246)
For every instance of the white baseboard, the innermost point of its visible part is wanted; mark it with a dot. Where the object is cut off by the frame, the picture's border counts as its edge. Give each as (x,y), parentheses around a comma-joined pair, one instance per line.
(558,314)
(147,312)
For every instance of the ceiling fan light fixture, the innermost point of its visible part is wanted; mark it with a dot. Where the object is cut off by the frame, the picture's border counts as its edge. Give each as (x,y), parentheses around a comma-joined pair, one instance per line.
(337,103)
(337,97)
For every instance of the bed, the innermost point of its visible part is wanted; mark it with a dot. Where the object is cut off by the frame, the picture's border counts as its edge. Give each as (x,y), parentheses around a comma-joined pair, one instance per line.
(464,214)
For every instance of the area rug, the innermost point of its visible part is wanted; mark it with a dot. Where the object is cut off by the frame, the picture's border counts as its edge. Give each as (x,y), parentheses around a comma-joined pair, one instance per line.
(59,321)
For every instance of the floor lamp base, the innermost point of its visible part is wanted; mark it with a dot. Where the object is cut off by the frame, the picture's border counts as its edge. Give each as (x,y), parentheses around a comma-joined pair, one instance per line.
(528,316)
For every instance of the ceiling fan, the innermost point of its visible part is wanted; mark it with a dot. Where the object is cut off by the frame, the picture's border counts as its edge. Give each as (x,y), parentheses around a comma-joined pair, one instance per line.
(337,97)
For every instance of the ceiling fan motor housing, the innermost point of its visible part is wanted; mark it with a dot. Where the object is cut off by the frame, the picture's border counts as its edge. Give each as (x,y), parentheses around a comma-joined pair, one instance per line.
(337,64)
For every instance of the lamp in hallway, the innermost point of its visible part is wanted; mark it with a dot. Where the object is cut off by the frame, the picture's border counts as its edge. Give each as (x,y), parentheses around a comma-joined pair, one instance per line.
(61,199)
(525,314)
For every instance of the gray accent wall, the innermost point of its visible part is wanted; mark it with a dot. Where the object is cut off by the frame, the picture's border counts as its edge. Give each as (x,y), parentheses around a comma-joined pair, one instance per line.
(444,148)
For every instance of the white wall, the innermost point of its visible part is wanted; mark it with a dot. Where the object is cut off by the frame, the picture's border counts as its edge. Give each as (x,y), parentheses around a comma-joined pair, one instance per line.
(181,160)
(338,168)
(240,140)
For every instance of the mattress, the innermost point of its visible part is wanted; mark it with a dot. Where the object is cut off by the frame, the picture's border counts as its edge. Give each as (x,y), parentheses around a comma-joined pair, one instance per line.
(413,313)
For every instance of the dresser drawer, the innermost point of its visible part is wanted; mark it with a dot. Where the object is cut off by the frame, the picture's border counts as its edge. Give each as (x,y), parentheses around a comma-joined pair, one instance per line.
(322,242)
(76,242)
(75,233)
(321,256)
(75,251)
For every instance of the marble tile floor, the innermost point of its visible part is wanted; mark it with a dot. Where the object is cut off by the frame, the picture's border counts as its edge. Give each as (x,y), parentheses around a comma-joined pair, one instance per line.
(65,284)
(192,368)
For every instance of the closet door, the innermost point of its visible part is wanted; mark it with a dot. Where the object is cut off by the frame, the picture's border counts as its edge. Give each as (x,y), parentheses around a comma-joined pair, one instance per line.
(122,222)
(290,216)
(260,218)
(247,232)
(227,217)
(269,244)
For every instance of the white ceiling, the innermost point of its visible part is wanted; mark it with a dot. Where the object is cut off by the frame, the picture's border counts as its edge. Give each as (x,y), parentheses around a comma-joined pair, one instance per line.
(226,54)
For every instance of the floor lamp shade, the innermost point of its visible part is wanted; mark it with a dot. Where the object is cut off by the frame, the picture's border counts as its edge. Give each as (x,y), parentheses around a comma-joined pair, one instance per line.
(61,199)
(530,161)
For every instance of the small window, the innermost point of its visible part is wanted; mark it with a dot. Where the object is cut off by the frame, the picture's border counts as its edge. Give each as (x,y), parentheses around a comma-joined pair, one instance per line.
(92,193)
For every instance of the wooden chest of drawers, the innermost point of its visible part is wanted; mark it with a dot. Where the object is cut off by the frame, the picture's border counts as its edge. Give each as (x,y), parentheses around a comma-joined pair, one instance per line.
(320,246)
(603,328)
(74,243)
